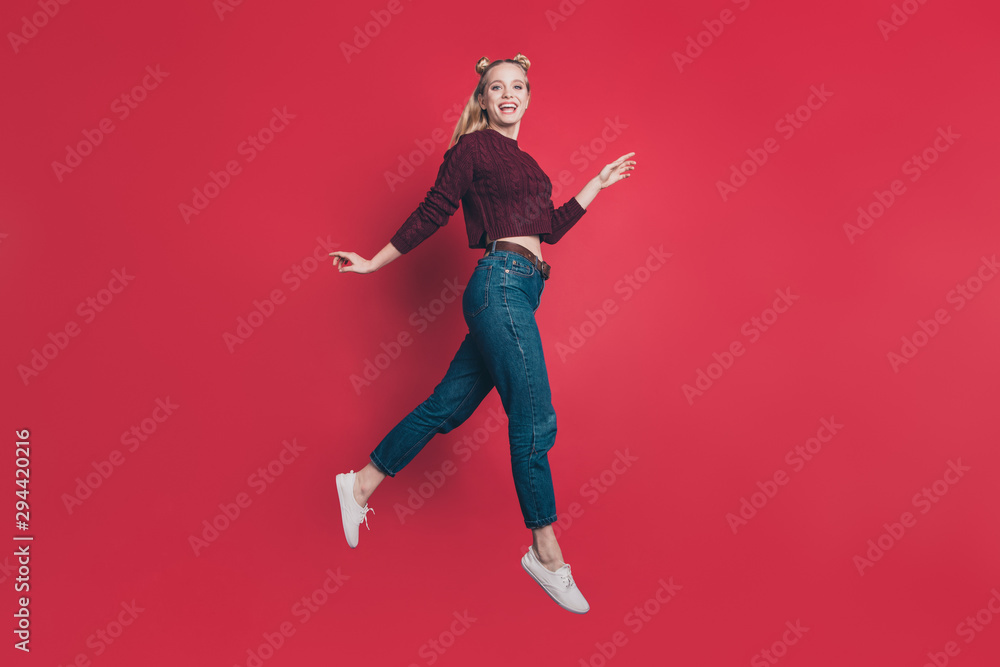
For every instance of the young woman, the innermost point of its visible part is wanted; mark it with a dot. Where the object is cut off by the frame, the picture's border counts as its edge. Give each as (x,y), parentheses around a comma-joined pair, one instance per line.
(506,200)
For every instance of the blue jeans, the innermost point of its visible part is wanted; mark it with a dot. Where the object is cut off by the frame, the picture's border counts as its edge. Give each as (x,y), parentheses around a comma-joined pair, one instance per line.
(503,349)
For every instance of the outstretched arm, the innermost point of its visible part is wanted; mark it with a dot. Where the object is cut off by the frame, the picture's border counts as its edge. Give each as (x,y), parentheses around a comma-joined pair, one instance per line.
(611,174)
(569,213)
(453,179)
(352,262)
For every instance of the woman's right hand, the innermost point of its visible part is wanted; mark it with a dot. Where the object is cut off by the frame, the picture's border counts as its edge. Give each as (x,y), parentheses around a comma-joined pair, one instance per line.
(351,262)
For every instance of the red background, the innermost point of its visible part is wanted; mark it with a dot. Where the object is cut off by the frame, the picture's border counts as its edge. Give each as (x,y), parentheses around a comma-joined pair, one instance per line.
(324,176)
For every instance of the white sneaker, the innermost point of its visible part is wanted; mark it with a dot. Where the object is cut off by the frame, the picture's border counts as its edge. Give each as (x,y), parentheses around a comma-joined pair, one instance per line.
(350,511)
(559,584)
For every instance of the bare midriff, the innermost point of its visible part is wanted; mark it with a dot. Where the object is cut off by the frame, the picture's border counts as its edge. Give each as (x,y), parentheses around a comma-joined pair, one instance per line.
(532,243)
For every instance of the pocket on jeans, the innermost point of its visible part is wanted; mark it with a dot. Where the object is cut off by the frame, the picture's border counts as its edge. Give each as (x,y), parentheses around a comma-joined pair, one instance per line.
(476,295)
(522,267)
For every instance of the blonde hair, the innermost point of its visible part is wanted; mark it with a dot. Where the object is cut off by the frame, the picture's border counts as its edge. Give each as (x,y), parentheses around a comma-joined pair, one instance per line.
(473,117)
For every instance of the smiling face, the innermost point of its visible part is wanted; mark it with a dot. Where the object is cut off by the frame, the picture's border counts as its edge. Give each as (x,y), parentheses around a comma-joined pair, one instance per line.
(506,96)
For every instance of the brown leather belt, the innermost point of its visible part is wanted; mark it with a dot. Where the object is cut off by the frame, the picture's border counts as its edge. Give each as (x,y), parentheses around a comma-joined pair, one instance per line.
(542,267)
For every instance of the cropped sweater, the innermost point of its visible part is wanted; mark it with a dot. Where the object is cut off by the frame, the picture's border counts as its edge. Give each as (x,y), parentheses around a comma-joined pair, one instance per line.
(502,190)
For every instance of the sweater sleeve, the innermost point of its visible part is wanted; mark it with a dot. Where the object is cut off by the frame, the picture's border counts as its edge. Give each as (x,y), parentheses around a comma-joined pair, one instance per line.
(563,218)
(453,179)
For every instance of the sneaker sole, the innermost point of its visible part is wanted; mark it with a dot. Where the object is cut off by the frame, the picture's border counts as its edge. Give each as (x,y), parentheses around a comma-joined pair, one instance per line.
(344,513)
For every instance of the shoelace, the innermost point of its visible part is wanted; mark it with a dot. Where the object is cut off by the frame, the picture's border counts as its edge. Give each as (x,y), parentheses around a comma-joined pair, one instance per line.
(564,572)
(364,515)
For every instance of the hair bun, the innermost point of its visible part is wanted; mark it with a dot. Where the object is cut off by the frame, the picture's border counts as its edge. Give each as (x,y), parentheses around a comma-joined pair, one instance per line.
(523,61)
(482,64)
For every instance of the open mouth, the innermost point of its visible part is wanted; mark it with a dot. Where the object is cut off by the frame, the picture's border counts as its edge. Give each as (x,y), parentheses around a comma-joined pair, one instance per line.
(508,108)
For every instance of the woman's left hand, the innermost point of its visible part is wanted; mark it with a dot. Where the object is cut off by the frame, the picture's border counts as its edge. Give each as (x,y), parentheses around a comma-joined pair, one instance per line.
(616,171)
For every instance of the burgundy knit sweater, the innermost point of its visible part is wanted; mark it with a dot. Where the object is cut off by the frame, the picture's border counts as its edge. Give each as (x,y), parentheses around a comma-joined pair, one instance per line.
(502,190)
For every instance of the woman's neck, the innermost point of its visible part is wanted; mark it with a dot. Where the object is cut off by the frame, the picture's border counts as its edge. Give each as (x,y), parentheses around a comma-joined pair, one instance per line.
(509,132)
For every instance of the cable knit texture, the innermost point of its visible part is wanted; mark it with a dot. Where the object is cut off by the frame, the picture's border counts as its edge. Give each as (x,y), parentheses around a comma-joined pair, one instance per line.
(502,190)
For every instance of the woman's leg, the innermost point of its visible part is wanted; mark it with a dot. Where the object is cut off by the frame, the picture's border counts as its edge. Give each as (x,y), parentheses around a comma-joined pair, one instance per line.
(365,482)
(502,322)
(454,399)
(547,547)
